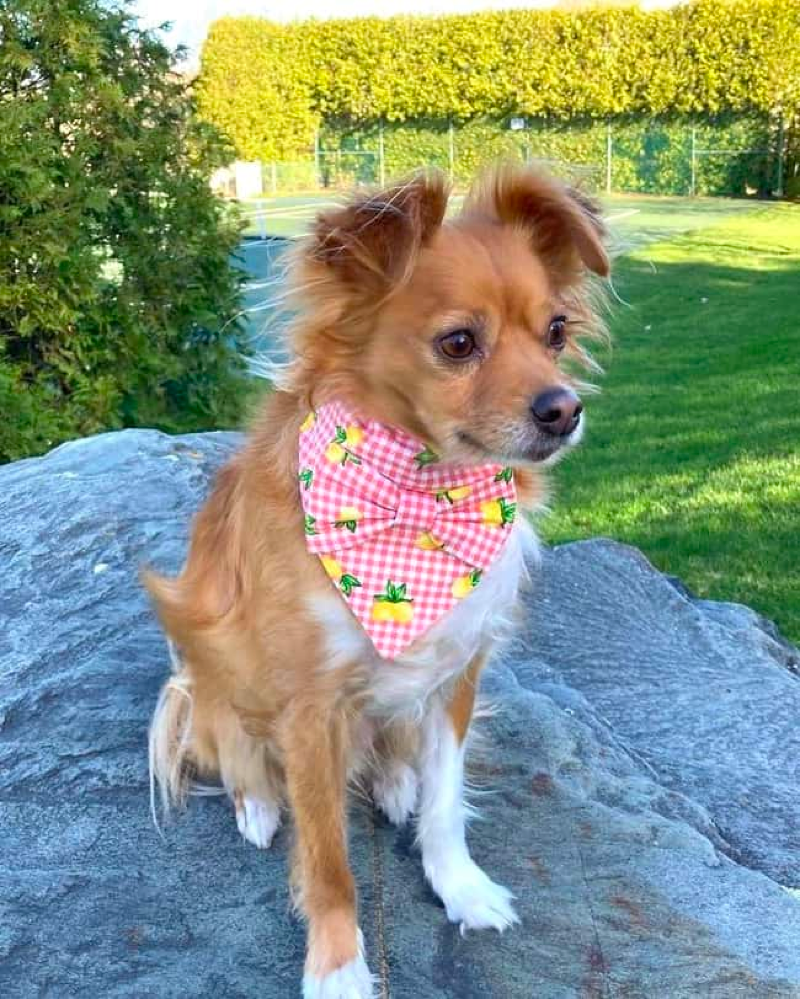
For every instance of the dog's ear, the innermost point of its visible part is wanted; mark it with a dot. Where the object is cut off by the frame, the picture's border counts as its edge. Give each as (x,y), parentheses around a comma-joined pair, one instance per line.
(377,238)
(561,220)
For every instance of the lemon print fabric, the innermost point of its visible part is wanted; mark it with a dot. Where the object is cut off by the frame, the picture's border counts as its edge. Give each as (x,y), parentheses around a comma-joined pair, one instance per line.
(403,536)
(393,604)
(453,494)
(426,456)
(498,512)
(340,449)
(464,585)
(345,580)
(348,518)
(428,542)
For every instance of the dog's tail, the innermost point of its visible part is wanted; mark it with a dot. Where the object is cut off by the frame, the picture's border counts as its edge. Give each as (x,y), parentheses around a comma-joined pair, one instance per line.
(170,741)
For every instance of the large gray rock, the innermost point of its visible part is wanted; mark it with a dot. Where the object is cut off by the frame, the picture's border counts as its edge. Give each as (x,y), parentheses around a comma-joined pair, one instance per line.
(639,774)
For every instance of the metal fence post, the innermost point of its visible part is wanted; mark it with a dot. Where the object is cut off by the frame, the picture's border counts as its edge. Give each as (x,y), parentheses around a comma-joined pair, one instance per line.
(381,157)
(452,151)
(693,184)
(609,154)
(317,158)
(781,154)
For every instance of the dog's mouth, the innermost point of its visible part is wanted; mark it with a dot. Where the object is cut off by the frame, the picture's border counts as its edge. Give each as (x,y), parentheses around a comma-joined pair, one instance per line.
(536,448)
(545,449)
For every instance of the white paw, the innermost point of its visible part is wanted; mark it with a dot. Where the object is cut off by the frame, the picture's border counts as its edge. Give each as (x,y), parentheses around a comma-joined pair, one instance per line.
(257,820)
(472,899)
(395,792)
(352,981)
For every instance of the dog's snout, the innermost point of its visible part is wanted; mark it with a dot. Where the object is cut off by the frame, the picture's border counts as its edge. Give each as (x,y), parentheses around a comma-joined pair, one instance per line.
(557,411)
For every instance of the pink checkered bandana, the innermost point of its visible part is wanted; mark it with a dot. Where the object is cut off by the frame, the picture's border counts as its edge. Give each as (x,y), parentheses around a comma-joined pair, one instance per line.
(402,535)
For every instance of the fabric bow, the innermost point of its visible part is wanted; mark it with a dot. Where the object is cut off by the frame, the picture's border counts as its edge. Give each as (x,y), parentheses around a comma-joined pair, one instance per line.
(381,501)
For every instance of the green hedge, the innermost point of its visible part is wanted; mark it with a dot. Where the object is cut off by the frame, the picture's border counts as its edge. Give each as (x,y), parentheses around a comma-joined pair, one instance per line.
(269,87)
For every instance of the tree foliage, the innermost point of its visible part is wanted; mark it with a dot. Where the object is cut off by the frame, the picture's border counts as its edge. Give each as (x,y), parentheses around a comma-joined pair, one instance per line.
(706,57)
(115,281)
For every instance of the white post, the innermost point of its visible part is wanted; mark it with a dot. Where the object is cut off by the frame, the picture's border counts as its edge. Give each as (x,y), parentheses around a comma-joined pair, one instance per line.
(693,187)
(381,157)
(609,154)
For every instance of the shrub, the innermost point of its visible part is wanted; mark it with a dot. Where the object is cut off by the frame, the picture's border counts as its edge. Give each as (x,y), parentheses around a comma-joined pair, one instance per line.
(115,280)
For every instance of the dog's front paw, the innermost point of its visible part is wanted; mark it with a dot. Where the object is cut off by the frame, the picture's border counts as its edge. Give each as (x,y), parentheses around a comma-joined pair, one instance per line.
(395,793)
(472,899)
(352,981)
(256,820)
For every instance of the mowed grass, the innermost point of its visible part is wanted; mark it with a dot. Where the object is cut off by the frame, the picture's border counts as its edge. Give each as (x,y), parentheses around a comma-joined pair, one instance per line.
(692,450)
(635,219)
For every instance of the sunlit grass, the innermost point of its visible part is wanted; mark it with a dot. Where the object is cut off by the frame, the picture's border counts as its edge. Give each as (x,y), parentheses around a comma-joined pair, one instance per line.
(693,450)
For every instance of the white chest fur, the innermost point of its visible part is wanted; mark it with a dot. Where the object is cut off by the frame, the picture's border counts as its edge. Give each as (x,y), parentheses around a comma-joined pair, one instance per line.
(402,687)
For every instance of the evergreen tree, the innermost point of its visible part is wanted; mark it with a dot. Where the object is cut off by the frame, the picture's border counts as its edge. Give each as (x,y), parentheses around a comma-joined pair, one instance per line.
(117,295)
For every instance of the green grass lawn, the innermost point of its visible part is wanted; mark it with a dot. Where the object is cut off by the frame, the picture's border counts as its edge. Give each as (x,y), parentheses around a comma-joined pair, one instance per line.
(634,219)
(692,450)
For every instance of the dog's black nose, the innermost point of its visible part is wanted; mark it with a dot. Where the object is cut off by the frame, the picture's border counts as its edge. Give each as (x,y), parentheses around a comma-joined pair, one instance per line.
(557,411)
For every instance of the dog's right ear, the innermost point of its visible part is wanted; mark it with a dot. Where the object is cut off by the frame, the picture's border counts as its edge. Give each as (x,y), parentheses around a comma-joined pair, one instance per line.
(376,239)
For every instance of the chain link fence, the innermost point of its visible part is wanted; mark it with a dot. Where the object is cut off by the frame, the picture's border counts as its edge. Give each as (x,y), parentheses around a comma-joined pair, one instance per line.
(735,157)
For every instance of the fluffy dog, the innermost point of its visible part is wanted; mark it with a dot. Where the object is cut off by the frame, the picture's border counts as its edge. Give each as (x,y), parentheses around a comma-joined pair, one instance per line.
(424,395)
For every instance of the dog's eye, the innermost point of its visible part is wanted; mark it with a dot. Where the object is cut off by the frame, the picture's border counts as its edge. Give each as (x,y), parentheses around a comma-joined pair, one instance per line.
(557,333)
(458,346)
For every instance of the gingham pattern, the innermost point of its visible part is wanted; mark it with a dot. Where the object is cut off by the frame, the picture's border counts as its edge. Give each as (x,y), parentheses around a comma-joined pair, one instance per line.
(370,492)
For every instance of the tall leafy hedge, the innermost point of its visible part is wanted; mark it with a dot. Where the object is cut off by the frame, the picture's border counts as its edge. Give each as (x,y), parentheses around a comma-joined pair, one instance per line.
(115,280)
(269,87)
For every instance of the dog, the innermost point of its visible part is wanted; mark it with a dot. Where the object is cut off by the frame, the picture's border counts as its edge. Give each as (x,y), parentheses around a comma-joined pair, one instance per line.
(406,435)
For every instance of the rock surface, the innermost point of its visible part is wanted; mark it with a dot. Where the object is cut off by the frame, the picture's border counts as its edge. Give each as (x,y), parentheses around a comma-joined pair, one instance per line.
(641,775)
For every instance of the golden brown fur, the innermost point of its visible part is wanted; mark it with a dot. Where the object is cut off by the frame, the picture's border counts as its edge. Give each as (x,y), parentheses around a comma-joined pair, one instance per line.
(255,700)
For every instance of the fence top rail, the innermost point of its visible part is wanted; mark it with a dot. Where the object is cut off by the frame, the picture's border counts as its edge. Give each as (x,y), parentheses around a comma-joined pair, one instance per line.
(731,152)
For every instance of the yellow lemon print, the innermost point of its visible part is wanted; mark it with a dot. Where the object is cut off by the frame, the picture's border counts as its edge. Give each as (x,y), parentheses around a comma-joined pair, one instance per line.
(453,494)
(336,454)
(353,436)
(347,582)
(393,604)
(429,543)
(338,451)
(466,584)
(332,567)
(308,422)
(349,517)
(498,513)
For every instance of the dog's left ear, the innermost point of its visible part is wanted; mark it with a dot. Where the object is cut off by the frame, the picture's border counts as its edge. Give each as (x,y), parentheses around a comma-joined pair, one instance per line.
(561,220)
(376,239)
